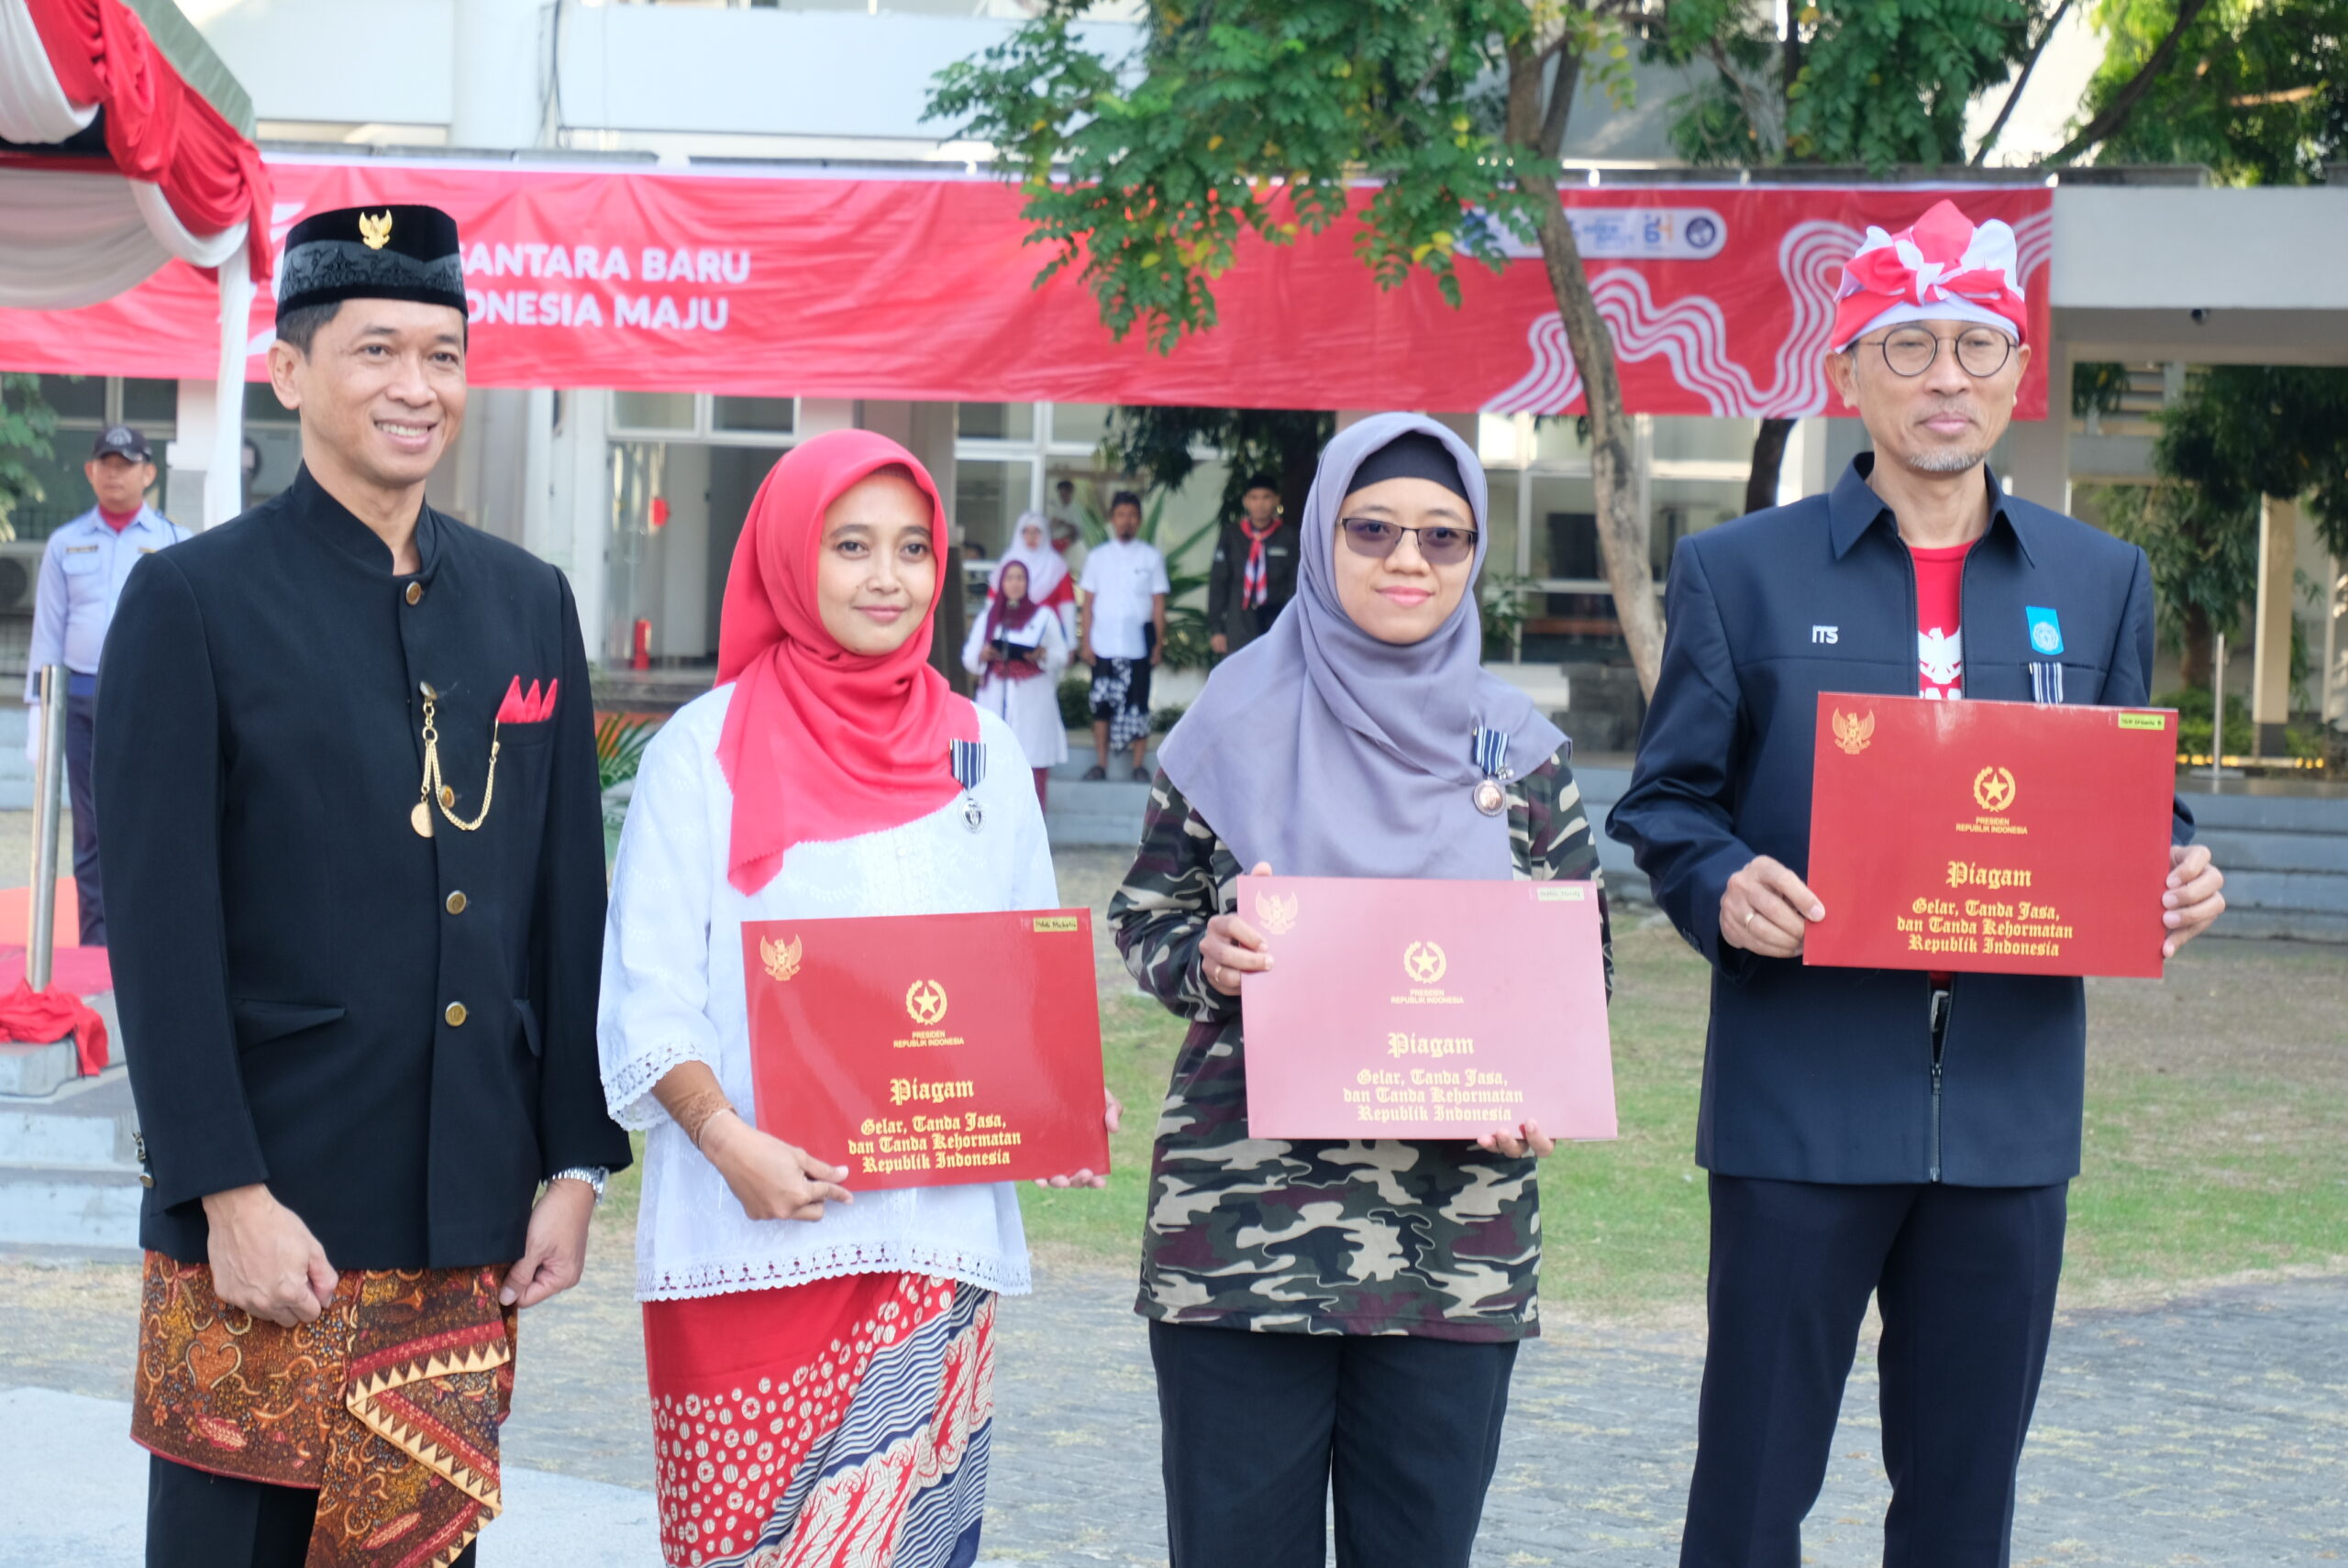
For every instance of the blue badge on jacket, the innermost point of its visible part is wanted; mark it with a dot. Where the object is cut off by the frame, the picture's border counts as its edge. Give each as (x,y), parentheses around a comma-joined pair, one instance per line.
(2045,630)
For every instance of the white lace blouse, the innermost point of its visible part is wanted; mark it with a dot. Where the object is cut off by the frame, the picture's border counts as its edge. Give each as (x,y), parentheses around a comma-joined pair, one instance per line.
(673,992)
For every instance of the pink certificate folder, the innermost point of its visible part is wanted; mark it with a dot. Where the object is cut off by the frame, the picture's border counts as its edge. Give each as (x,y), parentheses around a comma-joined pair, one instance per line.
(1425,1009)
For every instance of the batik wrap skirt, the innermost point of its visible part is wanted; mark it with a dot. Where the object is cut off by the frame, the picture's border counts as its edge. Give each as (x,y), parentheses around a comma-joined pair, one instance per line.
(839,1424)
(388,1406)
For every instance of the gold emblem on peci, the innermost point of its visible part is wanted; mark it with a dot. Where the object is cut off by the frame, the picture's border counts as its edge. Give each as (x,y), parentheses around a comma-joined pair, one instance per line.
(1852,732)
(925,1002)
(1993,790)
(1424,962)
(376,231)
(1278,913)
(781,958)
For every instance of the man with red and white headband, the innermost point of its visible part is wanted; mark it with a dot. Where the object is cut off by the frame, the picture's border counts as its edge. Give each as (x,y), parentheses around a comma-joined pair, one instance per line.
(1899,1135)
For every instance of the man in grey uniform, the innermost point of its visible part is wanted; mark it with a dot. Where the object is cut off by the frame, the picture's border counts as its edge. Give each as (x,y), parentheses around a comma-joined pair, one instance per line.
(82,574)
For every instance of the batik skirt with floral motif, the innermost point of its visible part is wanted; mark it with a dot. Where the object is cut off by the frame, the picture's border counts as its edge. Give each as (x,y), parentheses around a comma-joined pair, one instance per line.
(838,1424)
(388,1405)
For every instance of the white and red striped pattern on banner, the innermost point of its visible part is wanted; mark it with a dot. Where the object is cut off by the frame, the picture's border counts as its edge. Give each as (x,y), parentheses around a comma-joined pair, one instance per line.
(777,283)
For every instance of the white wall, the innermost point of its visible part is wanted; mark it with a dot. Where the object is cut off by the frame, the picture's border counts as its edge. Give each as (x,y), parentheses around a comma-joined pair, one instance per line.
(2139,248)
(352,61)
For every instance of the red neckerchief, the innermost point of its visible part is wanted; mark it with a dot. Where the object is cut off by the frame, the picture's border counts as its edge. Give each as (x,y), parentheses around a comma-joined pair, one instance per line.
(1254,583)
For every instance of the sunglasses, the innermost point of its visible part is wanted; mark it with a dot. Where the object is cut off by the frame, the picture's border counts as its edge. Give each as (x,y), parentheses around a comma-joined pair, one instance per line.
(1441,545)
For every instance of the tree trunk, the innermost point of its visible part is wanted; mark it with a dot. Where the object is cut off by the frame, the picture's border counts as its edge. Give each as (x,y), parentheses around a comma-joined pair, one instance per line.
(1768,463)
(2199,651)
(1613,464)
(1622,526)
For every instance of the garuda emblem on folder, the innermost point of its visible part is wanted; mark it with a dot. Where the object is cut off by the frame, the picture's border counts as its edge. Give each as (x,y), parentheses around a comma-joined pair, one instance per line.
(781,958)
(1852,732)
(1278,914)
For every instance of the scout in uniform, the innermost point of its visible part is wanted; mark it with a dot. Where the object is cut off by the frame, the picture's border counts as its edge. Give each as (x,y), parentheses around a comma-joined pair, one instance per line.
(356,879)
(82,571)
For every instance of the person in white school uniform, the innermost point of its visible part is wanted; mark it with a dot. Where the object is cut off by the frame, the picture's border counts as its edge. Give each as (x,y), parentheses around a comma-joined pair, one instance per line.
(1017,651)
(820,1361)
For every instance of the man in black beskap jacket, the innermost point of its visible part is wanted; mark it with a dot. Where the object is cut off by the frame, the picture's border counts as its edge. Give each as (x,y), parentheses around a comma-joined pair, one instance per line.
(1874,1132)
(356,877)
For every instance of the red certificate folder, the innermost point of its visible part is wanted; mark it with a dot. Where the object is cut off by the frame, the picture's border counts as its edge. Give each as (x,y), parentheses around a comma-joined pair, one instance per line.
(928,1050)
(1995,837)
(1425,1009)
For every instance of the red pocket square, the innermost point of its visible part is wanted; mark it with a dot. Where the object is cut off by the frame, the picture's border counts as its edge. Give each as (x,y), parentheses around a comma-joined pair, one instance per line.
(522,706)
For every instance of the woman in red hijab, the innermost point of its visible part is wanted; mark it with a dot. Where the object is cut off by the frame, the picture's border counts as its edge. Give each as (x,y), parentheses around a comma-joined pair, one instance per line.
(820,1359)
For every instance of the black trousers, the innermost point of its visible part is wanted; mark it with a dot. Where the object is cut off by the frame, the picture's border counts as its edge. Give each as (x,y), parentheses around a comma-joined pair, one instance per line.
(1964,1279)
(80,725)
(1261,1431)
(199,1521)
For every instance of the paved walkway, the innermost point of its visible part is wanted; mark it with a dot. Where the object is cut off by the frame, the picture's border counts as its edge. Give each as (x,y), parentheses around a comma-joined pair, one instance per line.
(2212,1430)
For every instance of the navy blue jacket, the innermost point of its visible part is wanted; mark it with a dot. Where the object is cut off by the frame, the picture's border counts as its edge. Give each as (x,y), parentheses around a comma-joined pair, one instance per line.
(1825,1075)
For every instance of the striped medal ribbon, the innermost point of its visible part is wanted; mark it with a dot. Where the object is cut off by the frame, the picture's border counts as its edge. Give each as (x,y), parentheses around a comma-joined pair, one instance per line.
(1490,751)
(969,761)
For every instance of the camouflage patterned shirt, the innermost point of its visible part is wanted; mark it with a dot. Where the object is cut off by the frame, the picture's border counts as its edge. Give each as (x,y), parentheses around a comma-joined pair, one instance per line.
(1369,1236)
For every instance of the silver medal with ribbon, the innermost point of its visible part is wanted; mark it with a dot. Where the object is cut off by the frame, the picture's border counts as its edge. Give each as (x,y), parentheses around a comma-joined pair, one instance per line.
(968,760)
(1490,753)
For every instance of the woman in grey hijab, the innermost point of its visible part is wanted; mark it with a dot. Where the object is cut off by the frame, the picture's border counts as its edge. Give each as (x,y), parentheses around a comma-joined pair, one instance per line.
(1340,1319)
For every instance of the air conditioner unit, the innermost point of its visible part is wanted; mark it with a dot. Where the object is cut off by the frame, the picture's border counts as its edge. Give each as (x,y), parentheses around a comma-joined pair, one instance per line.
(19,574)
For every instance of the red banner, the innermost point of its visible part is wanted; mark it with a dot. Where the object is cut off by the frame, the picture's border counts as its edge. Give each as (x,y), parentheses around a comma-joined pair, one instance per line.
(1720,297)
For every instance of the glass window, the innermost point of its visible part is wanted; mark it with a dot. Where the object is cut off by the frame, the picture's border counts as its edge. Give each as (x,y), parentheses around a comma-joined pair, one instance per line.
(261,406)
(1500,521)
(150,406)
(1496,439)
(1559,440)
(755,416)
(1704,440)
(652,411)
(1681,507)
(1565,528)
(1085,422)
(987,497)
(59,491)
(76,397)
(995,421)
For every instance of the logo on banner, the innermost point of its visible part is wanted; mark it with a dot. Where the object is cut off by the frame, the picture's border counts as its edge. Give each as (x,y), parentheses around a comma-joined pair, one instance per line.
(781,958)
(1852,732)
(925,1002)
(1424,962)
(1278,913)
(1993,790)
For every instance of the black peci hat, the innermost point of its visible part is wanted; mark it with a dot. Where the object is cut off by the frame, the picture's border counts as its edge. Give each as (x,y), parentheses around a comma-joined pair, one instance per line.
(372,253)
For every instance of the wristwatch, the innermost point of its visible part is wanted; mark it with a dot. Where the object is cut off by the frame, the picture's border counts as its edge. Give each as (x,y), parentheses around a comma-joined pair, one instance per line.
(594,1175)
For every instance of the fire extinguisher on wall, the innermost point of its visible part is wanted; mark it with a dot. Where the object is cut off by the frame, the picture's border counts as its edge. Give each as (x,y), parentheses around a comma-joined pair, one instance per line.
(640,654)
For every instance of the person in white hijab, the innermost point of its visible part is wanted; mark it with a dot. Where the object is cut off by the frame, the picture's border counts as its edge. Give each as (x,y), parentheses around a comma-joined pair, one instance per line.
(1048,583)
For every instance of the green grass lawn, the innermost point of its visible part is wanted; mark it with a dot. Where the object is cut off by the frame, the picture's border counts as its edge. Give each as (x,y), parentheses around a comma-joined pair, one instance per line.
(2217,1109)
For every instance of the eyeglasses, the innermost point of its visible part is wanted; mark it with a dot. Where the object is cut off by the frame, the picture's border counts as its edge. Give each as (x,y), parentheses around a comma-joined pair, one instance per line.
(1980,353)
(1441,545)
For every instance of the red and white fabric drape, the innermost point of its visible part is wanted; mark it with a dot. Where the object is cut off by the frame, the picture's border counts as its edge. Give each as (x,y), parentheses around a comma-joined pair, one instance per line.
(183,184)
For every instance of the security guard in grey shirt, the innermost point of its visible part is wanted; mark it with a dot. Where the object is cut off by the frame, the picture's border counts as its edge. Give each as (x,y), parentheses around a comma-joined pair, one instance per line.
(82,574)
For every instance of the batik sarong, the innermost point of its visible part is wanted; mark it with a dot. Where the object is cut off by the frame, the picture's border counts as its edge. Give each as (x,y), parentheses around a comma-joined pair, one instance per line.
(1120,694)
(388,1406)
(839,1424)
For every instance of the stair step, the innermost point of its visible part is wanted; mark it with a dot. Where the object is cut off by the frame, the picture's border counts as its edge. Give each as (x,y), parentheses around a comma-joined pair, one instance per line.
(80,1209)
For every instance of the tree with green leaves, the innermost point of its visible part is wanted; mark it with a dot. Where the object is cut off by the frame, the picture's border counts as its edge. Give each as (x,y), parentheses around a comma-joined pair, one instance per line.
(2236,434)
(2255,89)
(1160,443)
(1266,118)
(1810,87)
(27,423)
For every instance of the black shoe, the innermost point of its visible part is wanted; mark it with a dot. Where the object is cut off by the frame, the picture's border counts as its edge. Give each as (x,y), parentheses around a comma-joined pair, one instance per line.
(1141,774)
(1094,774)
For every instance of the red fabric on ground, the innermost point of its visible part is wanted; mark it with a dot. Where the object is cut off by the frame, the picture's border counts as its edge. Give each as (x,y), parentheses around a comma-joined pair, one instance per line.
(40,1017)
(156,128)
